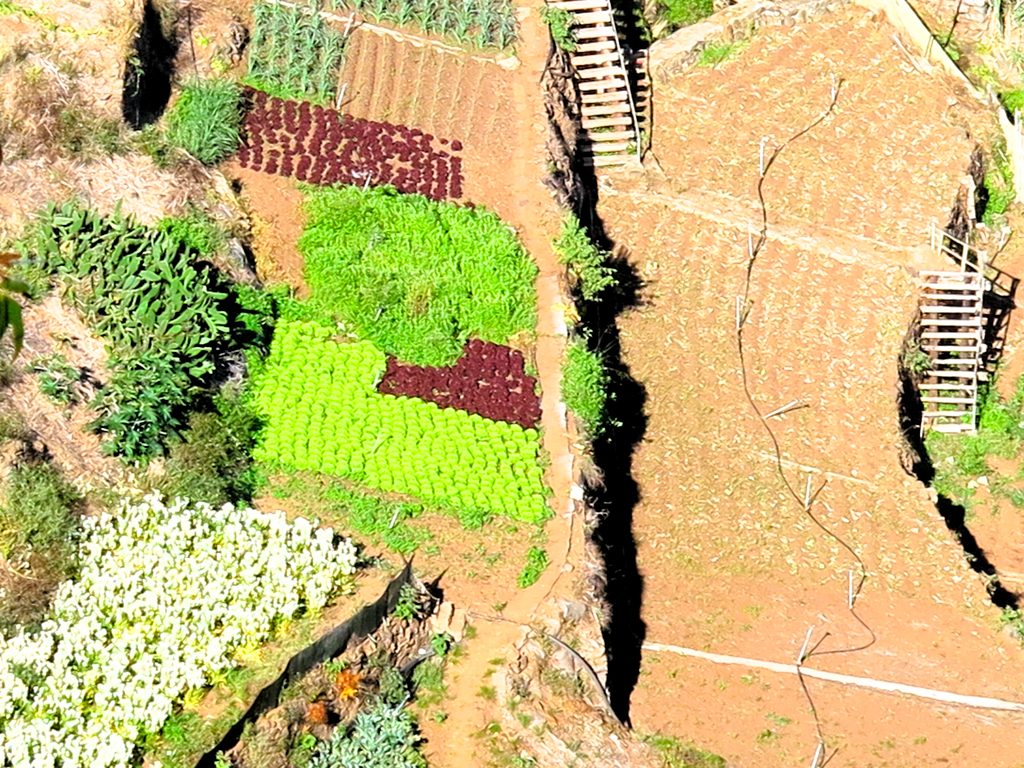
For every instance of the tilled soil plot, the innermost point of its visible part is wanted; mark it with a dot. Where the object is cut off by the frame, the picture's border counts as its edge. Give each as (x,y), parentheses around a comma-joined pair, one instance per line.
(458,97)
(732,565)
(882,166)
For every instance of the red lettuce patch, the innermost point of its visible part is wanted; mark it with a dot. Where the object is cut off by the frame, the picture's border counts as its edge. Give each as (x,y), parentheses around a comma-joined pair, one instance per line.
(489,380)
(323,146)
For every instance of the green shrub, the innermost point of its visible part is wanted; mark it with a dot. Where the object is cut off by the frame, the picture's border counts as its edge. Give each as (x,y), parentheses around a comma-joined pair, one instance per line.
(1013,100)
(213,461)
(161,311)
(999,185)
(39,517)
(57,377)
(676,754)
(682,13)
(585,386)
(294,53)
(589,272)
(536,564)
(416,277)
(718,53)
(560,22)
(204,120)
(383,736)
(196,231)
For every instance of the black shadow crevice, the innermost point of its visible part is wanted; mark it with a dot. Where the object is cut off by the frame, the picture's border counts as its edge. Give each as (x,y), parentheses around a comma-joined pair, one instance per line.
(148,71)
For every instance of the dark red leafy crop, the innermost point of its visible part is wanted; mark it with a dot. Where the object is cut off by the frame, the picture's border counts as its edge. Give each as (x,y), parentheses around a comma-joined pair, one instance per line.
(322,146)
(488,380)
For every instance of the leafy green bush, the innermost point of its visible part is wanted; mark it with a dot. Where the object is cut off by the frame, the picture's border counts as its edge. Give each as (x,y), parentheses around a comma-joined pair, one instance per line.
(323,413)
(1013,100)
(294,52)
(999,185)
(57,377)
(383,736)
(39,517)
(213,461)
(589,271)
(416,277)
(585,386)
(196,230)
(560,22)
(536,564)
(161,311)
(204,120)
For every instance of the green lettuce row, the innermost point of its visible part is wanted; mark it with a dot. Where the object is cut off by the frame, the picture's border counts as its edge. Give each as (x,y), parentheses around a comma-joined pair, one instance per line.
(324,413)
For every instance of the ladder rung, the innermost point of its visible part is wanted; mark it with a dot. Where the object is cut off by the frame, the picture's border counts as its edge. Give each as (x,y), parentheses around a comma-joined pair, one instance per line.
(952,348)
(601,85)
(965,323)
(600,45)
(942,308)
(953,374)
(948,335)
(955,400)
(952,428)
(973,296)
(594,58)
(605,122)
(601,98)
(596,17)
(600,73)
(609,146)
(948,387)
(592,32)
(946,414)
(609,136)
(600,160)
(606,109)
(580,5)
(950,274)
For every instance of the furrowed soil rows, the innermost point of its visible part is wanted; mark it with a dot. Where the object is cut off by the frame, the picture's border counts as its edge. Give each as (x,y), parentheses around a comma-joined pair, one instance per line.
(731,564)
(882,166)
(456,97)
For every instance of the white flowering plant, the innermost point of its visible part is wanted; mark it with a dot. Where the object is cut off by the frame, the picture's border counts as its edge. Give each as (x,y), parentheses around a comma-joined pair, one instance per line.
(168,593)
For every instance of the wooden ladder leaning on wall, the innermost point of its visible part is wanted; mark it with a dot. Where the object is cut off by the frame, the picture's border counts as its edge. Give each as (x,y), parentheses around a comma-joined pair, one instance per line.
(610,129)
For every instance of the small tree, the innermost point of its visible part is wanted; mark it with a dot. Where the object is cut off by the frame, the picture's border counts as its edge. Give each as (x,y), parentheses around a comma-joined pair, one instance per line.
(10,310)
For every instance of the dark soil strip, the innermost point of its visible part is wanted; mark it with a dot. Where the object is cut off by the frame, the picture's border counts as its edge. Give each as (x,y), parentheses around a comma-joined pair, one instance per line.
(148,72)
(322,146)
(488,380)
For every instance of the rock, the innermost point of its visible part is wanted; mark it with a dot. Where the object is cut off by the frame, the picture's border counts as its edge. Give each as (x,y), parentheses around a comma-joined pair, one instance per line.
(573,611)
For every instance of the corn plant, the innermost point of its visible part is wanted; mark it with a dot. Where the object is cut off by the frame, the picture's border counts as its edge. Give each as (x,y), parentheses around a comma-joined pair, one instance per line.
(294,52)
(481,23)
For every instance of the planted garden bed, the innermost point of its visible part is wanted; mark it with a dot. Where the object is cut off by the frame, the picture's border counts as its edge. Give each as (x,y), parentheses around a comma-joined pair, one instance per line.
(319,145)
(488,380)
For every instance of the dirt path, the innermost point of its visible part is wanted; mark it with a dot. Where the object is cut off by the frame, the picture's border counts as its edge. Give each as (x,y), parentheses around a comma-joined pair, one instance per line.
(537,219)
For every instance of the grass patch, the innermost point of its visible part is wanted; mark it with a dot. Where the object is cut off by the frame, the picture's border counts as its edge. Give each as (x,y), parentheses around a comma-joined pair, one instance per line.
(204,120)
(682,13)
(585,386)
(589,273)
(678,754)
(40,518)
(715,54)
(416,277)
(536,563)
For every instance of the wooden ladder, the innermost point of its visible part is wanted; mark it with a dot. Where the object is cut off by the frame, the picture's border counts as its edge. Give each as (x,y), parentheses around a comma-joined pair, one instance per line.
(610,130)
(952,335)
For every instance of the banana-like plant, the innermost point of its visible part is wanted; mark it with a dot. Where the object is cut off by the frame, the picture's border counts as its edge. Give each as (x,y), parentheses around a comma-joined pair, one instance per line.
(10,310)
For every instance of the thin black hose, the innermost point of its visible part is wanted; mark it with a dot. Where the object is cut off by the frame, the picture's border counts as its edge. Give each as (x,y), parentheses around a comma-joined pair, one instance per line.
(805,502)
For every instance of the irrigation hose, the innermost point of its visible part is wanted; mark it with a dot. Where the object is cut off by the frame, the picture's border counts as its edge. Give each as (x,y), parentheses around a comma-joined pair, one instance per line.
(806,500)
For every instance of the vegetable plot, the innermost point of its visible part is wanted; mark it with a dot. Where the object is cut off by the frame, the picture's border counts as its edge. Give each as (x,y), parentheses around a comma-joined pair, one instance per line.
(323,412)
(483,23)
(487,380)
(322,146)
(167,594)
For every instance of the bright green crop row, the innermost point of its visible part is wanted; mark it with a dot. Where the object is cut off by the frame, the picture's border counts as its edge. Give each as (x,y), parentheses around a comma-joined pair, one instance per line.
(323,413)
